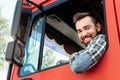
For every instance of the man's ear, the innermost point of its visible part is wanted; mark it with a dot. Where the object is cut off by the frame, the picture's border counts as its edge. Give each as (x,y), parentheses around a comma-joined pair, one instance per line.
(98,27)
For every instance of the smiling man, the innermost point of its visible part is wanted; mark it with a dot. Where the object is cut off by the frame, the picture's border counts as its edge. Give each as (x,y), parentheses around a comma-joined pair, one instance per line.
(89,32)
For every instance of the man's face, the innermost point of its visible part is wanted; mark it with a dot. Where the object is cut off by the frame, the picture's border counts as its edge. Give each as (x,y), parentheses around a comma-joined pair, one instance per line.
(86,29)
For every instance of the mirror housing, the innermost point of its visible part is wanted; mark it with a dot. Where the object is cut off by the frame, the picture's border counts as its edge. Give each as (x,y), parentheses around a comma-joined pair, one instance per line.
(20,31)
(15,53)
(21,23)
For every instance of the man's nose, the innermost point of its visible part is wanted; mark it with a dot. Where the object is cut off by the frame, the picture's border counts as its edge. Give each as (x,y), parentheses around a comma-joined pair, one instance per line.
(84,33)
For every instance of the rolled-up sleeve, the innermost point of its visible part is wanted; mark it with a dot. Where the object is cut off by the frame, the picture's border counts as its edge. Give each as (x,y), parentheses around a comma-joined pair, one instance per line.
(80,62)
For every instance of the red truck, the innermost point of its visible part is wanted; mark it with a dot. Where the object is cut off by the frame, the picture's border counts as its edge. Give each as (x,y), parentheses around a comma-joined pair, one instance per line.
(44,34)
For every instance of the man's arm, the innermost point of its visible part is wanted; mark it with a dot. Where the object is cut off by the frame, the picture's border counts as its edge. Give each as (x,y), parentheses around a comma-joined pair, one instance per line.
(84,59)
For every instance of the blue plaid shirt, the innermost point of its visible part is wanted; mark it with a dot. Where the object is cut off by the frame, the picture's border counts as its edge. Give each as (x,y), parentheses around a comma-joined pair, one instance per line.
(87,58)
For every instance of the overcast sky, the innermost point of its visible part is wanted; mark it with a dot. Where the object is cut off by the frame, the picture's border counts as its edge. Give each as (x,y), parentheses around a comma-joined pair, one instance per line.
(7,8)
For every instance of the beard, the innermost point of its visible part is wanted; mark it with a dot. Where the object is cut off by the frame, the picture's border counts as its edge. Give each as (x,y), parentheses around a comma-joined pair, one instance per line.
(86,39)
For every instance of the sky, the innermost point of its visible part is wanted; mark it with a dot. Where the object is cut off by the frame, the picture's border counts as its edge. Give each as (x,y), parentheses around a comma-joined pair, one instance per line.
(7,7)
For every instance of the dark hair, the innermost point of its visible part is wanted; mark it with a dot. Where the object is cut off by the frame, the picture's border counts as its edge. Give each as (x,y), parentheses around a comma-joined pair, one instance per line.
(95,18)
(79,16)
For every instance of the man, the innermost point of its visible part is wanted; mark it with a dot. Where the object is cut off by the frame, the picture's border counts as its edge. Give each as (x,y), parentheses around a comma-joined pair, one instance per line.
(88,30)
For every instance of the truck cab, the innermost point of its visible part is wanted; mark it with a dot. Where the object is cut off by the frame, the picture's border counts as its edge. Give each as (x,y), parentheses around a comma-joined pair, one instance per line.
(44,37)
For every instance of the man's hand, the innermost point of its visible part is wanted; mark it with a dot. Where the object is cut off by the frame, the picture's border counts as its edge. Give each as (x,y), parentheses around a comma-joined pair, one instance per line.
(71,56)
(62,61)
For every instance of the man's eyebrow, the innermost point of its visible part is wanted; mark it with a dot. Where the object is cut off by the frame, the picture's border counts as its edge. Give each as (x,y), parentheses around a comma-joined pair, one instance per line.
(83,27)
(86,26)
(78,30)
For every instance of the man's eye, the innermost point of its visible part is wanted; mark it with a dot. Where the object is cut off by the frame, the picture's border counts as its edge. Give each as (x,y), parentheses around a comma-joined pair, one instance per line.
(79,31)
(87,27)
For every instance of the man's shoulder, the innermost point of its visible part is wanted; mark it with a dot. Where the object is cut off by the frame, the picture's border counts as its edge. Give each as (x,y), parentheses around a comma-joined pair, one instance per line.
(98,41)
(99,37)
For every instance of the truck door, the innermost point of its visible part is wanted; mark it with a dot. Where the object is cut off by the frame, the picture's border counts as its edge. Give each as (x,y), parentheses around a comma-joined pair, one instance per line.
(53,38)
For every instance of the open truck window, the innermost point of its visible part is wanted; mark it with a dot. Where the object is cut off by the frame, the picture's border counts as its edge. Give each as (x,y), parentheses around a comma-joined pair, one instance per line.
(47,46)
(53,36)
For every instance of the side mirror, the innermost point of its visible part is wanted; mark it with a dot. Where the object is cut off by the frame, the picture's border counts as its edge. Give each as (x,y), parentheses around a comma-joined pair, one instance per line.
(20,32)
(15,53)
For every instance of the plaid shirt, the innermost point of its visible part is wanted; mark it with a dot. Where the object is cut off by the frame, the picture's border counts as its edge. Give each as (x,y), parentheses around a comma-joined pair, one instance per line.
(85,59)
